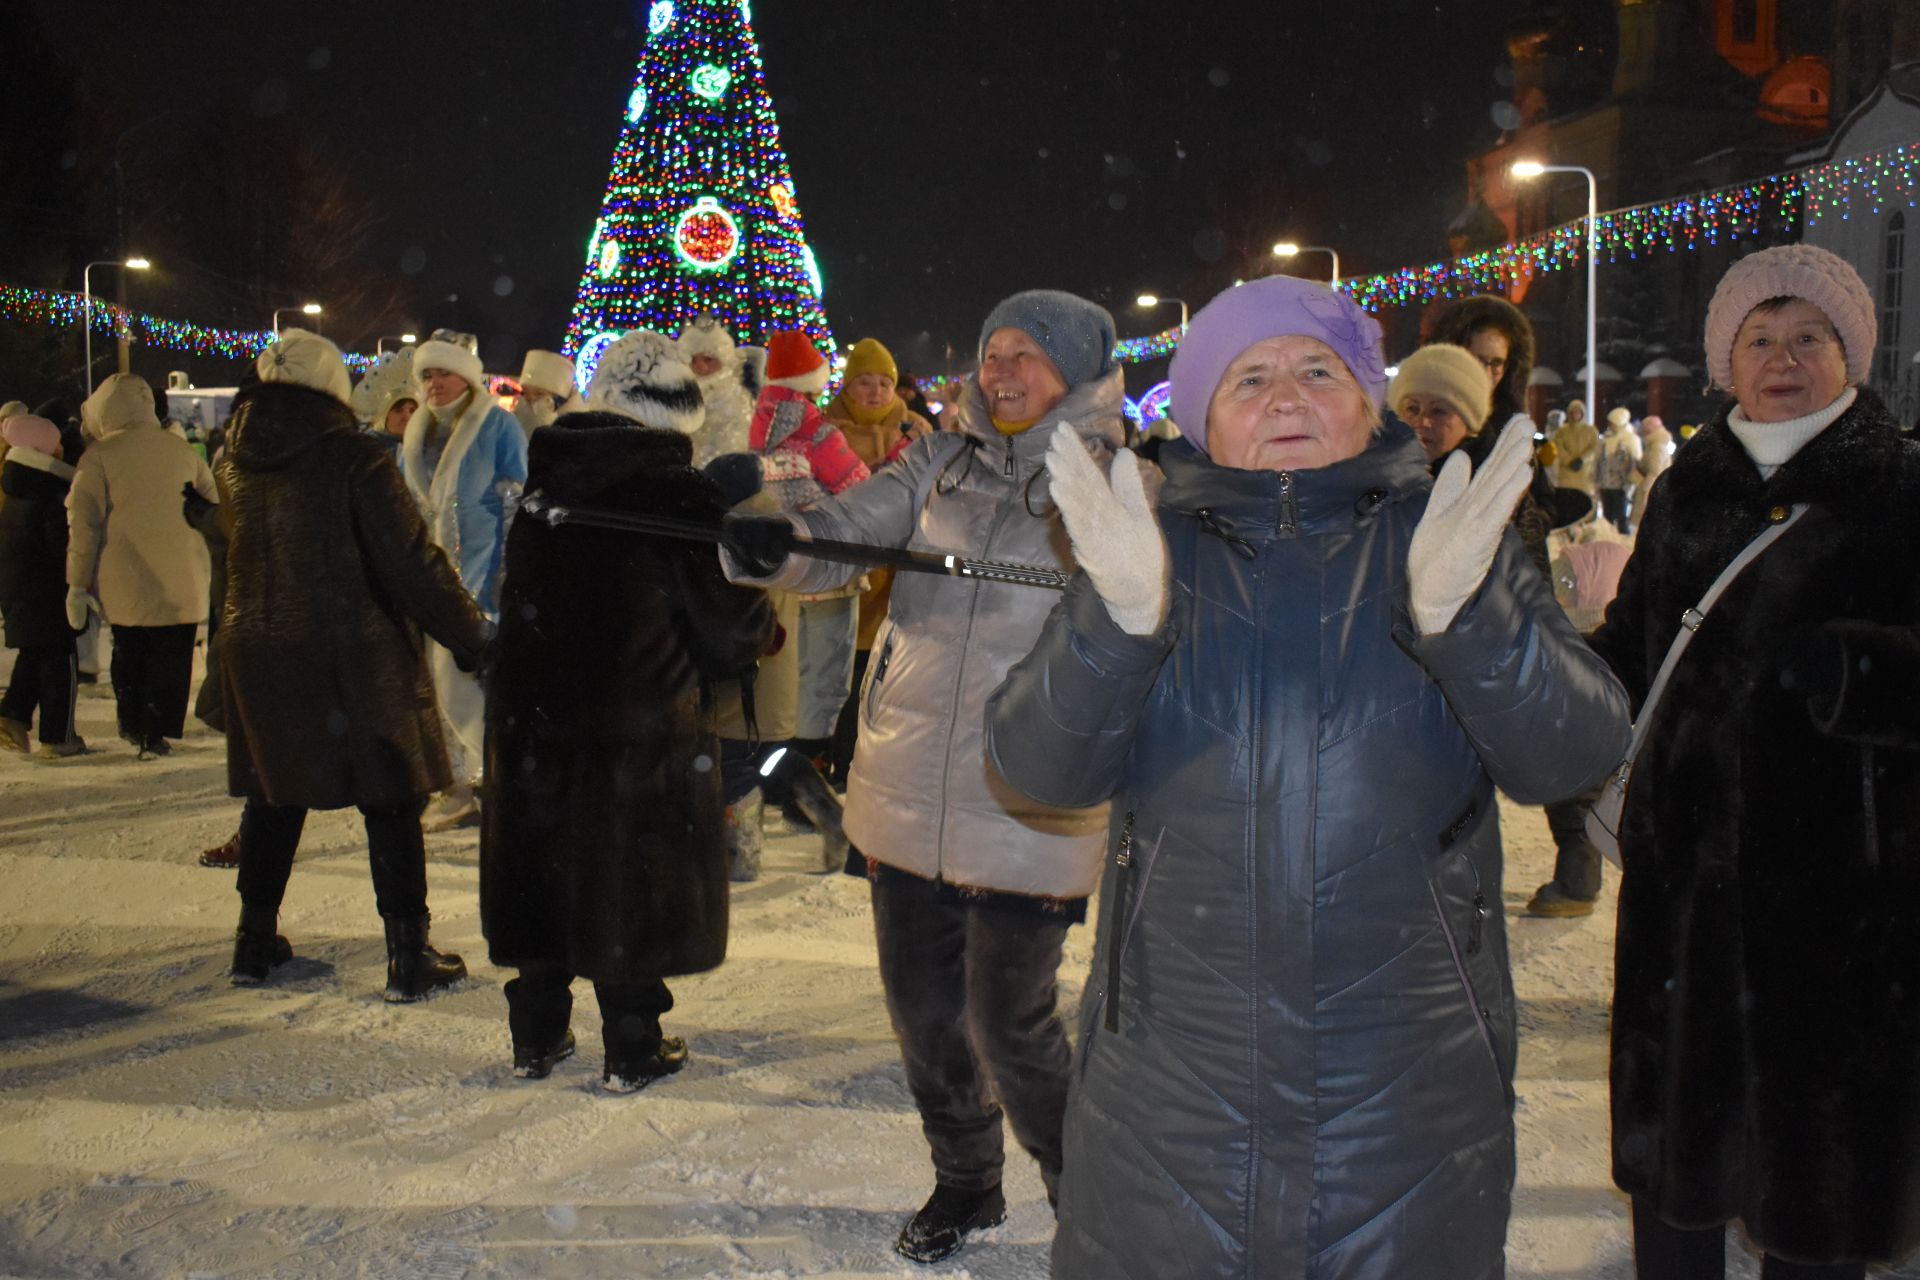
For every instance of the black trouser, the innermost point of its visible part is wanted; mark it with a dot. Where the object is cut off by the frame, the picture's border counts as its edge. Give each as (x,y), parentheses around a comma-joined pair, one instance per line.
(970,990)
(269,835)
(847,731)
(540,1005)
(1613,506)
(1662,1252)
(43,680)
(152,671)
(1576,867)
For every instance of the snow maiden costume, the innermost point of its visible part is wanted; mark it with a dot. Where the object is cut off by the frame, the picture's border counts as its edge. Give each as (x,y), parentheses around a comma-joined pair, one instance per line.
(465,464)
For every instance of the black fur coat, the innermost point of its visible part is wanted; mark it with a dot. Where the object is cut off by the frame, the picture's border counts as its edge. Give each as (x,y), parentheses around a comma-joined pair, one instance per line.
(602,845)
(1766,1019)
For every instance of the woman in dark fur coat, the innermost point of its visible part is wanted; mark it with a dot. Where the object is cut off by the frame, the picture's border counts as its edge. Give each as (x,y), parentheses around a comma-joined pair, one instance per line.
(602,846)
(1766,1017)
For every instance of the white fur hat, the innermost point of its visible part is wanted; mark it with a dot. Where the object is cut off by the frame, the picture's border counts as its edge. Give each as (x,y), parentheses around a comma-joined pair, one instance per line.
(644,377)
(305,359)
(455,359)
(549,371)
(706,336)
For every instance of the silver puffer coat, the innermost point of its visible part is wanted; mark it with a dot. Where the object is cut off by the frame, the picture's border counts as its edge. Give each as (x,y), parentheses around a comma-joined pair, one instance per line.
(923,797)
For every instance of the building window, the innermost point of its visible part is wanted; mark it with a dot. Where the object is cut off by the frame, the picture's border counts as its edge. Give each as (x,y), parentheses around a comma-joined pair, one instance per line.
(1892,271)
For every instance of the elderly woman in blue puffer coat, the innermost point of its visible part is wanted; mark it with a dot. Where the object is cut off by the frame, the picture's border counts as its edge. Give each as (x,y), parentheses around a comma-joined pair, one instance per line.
(1296,1050)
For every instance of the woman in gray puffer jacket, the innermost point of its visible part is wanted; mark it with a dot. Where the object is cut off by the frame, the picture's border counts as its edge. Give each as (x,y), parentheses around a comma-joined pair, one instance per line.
(974,883)
(1297,1045)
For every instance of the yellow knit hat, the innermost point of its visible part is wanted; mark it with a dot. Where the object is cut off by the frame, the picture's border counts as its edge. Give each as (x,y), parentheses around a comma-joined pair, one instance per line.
(868,356)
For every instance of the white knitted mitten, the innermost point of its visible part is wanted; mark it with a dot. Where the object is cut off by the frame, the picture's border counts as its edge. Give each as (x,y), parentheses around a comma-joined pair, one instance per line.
(1115,536)
(1455,543)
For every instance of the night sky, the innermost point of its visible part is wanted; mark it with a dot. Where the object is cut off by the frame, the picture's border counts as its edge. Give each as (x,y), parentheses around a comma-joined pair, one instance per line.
(945,153)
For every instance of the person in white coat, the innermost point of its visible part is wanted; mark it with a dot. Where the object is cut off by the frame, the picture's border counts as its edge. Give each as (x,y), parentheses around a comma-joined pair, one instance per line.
(465,460)
(133,558)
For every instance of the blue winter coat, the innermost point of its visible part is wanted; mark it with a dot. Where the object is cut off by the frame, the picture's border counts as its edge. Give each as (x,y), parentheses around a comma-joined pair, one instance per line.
(1297,1046)
(470,491)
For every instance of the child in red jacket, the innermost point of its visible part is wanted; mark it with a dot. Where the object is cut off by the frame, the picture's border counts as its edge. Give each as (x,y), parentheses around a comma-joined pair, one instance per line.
(805,456)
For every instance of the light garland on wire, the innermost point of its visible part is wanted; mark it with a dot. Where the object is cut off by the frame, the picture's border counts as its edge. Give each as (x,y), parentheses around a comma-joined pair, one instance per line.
(700,213)
(1783,201)
(61,310)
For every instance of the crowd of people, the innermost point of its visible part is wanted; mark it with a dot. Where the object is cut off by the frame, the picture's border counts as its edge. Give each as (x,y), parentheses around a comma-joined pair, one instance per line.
(1296,656)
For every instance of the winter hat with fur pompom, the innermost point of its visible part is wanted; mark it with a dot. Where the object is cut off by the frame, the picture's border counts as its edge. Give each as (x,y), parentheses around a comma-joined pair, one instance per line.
(304,359)
(1450,374)
(643,377)
(794,363)
(1806,271)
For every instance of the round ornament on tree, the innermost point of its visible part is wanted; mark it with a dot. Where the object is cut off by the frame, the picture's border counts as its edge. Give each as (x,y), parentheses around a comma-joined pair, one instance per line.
(706,235)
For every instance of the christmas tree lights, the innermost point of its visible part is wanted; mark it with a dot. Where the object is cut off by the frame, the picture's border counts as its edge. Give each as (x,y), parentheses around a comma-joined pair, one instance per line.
(700,212)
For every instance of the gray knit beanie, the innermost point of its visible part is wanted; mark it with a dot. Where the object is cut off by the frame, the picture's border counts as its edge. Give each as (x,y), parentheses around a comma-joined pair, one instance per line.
(1077,335)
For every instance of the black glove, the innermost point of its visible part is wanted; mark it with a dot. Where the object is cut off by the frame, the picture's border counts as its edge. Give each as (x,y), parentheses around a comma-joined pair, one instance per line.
(760,544)
(480,663)
(738,475)
(194,507)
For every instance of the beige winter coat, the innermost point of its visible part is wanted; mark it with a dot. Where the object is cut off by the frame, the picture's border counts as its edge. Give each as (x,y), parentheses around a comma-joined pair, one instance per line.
(128,541)
(923,796)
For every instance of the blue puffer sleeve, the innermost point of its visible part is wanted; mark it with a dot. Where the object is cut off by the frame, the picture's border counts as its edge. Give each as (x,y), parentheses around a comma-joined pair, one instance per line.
(1061,725)
(1547,716)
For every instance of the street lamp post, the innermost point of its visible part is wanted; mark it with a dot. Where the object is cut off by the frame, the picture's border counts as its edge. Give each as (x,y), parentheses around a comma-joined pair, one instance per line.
(305,309)
(1154,300)
(86,302)
(404,339)
(1526,170)
(1288,249)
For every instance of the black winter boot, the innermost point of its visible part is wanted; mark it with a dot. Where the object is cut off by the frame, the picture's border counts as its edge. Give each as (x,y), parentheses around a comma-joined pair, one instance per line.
(538,1018)
(823,809)
(415,969)
(628,1077)
(943,1223)
(257,949)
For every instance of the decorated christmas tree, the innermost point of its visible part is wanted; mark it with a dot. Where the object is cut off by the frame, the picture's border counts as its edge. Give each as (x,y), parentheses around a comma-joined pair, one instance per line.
(700,212)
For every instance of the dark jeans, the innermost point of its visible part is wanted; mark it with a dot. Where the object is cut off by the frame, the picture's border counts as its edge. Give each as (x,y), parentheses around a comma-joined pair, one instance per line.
(540,1005)
(847,731)
(1613,507)
(152,671)
(1576,868)
(269,835)
(1662,1252)
(970,989)
(43,680)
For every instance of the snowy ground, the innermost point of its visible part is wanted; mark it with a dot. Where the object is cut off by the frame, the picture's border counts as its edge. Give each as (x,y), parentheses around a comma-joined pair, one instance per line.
(155,1121)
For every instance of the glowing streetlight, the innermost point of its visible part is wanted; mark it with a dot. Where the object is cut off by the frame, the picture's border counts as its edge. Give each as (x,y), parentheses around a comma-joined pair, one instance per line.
(405,340)
(1288,249)
(86,302)
(1154,300)
(1526,171)
(305,309)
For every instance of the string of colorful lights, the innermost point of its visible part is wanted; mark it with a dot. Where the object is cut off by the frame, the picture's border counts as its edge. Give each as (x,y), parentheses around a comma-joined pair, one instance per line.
(699,214)
(1800,197)
(709,238)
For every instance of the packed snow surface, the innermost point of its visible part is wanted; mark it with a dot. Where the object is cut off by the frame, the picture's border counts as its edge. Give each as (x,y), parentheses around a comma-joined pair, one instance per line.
(156,1121)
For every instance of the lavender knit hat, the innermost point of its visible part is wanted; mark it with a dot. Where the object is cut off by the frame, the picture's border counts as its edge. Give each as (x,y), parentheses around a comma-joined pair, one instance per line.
(1825,279)
(1271,307)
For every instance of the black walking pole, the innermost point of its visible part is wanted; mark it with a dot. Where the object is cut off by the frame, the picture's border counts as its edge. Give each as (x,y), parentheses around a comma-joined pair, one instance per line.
(555,514)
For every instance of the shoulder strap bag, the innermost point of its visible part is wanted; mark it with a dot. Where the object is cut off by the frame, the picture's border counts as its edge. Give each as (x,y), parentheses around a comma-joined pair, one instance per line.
(1603,819)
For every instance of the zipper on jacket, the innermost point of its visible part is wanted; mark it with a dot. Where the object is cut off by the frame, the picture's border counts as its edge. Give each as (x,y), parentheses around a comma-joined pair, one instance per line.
(1123,895)
(1288,520)
(1482,1019)
(1210,524)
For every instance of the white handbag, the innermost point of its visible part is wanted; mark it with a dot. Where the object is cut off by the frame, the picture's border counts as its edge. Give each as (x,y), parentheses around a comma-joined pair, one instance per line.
(1603,819)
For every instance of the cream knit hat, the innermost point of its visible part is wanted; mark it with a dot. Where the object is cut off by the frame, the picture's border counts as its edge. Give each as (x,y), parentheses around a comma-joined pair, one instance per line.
(1452,374)
(304,359)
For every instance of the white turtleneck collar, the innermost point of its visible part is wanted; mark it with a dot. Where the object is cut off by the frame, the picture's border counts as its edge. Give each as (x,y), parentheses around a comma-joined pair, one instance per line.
(1772,444)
